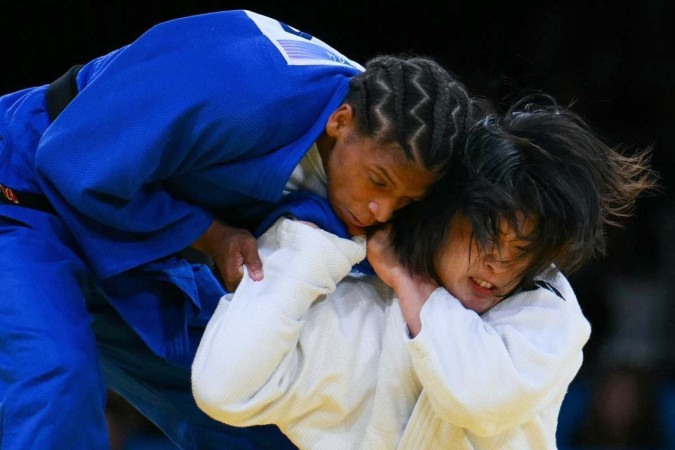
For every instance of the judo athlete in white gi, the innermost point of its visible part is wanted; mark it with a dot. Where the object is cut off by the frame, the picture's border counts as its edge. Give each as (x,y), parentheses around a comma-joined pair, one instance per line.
(477,356)
(188,136)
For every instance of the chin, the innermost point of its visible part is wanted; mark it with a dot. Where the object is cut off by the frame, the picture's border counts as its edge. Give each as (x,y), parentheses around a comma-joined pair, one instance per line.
(357,232)
(478,307)
(354,230)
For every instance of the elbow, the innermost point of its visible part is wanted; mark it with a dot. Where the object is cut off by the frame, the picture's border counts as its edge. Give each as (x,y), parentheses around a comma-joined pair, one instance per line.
(218,411)
(211,408)
(217,399)
(231,400)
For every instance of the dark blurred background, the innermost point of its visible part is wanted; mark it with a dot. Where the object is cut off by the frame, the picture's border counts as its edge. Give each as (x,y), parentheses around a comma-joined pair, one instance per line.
(613,62)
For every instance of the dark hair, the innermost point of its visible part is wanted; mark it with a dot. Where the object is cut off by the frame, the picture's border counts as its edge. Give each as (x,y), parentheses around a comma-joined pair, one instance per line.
(414,101)
(539,159)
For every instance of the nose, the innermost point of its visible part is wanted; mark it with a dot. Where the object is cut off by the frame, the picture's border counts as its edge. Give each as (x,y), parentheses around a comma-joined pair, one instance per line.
(382,209)
(494,263)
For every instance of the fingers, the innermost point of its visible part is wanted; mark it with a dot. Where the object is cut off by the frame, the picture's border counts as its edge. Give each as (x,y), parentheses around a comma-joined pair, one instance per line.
(355,231)
(251,258)
(379,241)
(237,249)
(232,271)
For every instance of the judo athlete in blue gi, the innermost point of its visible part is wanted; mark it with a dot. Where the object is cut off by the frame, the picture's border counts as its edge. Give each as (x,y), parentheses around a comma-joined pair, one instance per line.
(185,138)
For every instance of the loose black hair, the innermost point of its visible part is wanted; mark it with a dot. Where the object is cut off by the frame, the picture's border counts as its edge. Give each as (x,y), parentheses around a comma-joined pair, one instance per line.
(414,101)
(538,159)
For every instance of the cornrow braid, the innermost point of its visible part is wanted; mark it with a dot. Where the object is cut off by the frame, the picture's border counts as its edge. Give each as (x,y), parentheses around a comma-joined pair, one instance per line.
(398,82)
(415,102)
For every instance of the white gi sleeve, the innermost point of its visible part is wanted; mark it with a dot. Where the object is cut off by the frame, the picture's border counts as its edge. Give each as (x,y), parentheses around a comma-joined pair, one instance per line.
(243,373)
(493,372)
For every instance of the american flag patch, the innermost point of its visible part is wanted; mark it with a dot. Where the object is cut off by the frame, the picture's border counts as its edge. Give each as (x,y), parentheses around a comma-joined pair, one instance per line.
(299,48)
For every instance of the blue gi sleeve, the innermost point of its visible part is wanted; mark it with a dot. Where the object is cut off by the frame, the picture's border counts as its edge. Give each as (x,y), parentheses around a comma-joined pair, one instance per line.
(312,208)
(187,97)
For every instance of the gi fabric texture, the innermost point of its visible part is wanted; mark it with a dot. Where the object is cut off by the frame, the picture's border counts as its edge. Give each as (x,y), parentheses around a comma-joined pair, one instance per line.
(201,116)
(161,389)
(329,360)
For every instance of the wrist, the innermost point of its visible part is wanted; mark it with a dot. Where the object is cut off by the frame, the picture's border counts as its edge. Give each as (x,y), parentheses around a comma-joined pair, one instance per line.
(412,294)
(207,242)
(413,287)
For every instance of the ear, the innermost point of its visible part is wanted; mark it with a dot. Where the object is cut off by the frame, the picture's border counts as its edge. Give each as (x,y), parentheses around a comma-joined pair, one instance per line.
(341,117)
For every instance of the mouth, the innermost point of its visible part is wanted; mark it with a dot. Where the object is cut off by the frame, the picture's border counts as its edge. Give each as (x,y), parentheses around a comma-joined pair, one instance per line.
(356,222)
(482,286)
(354,226)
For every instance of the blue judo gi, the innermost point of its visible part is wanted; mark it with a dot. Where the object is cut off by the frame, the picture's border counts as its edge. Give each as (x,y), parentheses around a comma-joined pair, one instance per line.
(200,117)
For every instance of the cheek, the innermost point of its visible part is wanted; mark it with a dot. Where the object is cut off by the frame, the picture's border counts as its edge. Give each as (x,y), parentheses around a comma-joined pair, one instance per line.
(510,283)
(359,193)
(449,274)
(339,187)
(456,259)
(350,196)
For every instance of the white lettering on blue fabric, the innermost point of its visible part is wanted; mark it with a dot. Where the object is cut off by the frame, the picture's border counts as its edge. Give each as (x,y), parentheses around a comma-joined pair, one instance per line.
(299,48)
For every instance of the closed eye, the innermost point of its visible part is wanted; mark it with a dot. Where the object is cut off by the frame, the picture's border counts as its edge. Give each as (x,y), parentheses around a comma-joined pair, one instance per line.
(376,181)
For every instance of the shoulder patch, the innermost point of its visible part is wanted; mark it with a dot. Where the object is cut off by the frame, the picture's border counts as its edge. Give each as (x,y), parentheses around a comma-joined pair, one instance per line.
(299,48)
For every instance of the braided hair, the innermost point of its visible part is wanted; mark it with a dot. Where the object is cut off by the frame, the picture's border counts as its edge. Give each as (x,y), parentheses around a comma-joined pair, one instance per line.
(414,101)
